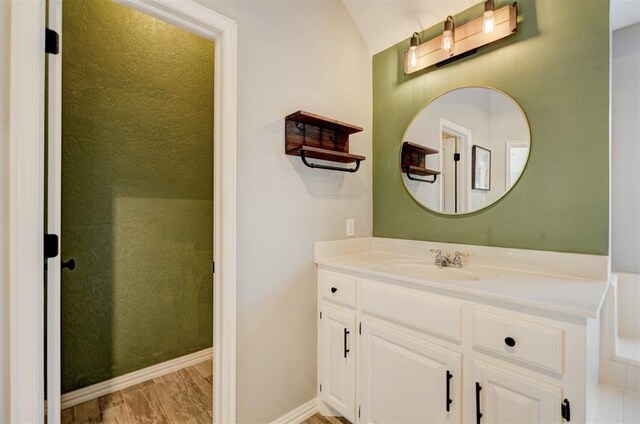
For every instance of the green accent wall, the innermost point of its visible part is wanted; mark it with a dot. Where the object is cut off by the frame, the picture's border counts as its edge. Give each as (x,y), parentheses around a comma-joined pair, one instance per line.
(137,210)
(557,68)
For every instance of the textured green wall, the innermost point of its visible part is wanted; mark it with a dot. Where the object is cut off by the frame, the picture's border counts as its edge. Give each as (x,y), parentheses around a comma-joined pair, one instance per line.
(137,189)
(557,68)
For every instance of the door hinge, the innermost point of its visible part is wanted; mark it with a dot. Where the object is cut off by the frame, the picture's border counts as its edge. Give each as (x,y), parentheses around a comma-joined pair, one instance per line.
(213,267)
(51,41)
(321,387)
(320,314)
(358,411)
(360,328)
(456,157)
(50,245)
(565,409)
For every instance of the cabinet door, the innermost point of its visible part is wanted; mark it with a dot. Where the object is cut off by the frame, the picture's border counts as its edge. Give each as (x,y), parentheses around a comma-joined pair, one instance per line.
(406,380)
(509,398)
(337,361)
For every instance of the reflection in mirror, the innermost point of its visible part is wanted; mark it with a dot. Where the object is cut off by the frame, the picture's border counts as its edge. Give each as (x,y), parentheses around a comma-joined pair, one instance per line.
(465,150)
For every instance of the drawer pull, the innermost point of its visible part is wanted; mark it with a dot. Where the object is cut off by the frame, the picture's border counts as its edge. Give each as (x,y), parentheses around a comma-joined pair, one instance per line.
(334,289)
(509,341)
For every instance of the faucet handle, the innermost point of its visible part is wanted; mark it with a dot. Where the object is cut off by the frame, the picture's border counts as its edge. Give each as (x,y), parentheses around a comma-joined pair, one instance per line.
(458,257)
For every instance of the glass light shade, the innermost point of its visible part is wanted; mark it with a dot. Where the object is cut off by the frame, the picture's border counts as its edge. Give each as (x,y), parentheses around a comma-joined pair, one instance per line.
(489,22)
(412,56)
(447,41)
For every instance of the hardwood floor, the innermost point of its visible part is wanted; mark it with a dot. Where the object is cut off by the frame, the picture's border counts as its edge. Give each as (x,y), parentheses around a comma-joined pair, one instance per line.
(319,419)
(184,396)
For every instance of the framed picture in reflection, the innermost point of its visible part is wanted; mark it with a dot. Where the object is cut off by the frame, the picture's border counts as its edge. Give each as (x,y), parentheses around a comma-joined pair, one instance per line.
(480,168)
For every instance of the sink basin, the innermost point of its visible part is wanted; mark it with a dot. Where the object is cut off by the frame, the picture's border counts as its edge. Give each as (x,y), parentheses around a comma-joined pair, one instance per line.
(427,270)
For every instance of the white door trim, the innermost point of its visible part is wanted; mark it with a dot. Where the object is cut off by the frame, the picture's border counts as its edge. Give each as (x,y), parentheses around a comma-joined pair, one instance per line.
(26,208)
(54,217)
(26,193)
(464,135)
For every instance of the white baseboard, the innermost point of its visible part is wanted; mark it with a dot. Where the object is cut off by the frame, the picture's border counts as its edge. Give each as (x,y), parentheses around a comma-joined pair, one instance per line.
(122,382)
(299,414)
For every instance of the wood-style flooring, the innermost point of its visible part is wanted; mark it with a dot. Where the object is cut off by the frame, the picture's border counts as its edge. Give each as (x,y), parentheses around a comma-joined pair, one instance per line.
(319,419)
(184,396)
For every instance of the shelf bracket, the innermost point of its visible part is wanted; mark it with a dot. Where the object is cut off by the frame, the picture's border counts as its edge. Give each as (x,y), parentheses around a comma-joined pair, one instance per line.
(328,167)
(406,170)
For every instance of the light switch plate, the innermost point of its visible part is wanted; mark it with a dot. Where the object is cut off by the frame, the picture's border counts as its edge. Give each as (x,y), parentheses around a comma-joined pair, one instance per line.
(351,227)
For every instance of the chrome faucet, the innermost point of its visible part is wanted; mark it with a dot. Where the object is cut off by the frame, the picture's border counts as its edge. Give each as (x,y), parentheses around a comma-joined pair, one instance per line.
(446,261)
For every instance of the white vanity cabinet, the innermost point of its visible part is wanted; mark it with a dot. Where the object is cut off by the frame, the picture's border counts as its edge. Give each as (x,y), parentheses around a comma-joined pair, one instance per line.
(406,380)
(390,352)
(337,360)
(336,344)
(509,398)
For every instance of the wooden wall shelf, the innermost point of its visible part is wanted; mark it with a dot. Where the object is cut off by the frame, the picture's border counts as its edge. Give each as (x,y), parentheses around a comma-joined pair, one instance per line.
(413,161)
(312,136)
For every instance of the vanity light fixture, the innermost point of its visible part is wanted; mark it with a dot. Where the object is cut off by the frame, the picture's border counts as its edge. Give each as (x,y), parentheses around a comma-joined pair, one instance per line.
(447,35)
(459,41)
(415,42)
(489,22)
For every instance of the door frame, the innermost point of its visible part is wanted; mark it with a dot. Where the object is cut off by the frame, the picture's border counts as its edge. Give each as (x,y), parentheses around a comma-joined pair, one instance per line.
(26,194)
(464,135)
(25,212)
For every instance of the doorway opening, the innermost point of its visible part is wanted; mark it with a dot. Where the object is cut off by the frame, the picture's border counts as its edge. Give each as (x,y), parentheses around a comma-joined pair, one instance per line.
(450,173)
(455,163)
(137,215)
(163,191)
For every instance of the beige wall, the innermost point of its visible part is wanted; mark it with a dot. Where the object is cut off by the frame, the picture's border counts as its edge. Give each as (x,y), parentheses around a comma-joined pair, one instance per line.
(292,55)
(4,224)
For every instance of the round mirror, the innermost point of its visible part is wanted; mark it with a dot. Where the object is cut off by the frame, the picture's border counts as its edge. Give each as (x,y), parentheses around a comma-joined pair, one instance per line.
(464,150)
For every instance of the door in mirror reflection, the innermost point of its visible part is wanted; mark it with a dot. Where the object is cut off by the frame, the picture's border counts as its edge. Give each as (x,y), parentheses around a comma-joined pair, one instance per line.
(517,154)
(473,141)
(454,190)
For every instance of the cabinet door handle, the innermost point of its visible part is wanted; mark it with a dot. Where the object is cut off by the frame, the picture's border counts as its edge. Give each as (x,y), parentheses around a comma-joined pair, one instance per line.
(478,413)
(333,289)
(566,410)
(449,401)
(510,341)
(346,333)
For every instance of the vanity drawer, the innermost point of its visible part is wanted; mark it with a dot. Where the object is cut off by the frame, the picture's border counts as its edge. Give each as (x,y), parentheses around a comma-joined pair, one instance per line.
(337,288)
(531,343)
(415,309)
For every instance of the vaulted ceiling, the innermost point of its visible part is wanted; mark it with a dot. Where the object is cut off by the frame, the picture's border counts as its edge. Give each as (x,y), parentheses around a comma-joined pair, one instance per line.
(384,23)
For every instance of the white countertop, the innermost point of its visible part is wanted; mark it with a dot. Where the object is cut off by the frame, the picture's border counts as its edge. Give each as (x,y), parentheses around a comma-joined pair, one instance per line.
(565,294)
